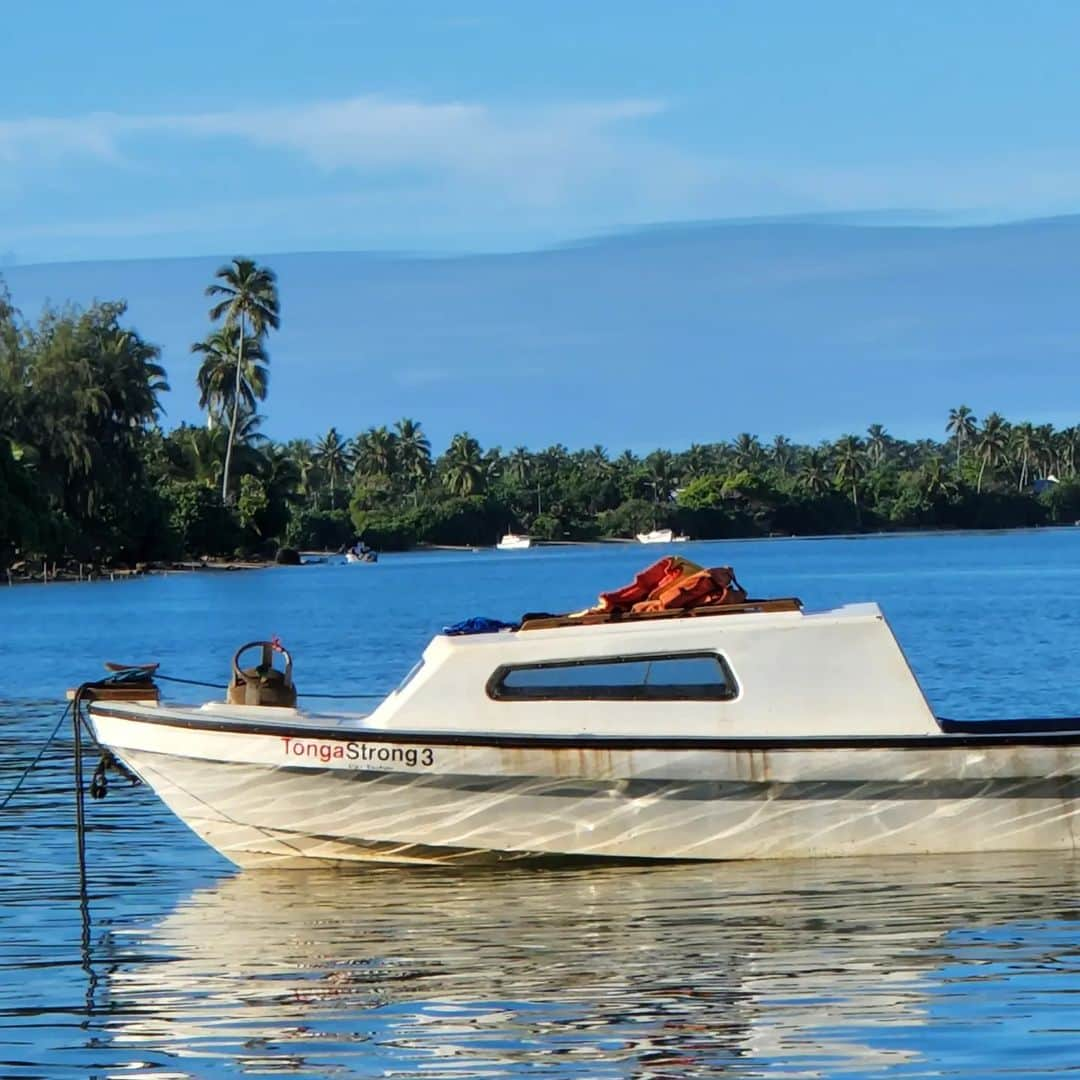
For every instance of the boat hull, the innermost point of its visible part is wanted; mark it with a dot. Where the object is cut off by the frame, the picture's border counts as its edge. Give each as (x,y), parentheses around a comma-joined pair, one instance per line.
(265,798)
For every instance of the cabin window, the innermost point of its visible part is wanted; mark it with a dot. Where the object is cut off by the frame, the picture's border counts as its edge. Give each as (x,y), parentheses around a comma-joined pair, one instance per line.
(685,677)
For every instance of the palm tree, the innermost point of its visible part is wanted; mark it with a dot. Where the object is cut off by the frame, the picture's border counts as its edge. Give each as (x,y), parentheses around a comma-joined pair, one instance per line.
(1024,445)
(464,465)
(991,445)
(302,455)
(280,475)
(696,461)
(877,443)
(850,464)
(814,476)
(782,454)
(661,466)
(375,453)
(961,427)
(249,299)
(519,466)
(131,378)
(597,462)
(748,451)
(203,451)
(413,451)
(934,480)
(331,454)
(217,377)
(1068,443)
(1046,449)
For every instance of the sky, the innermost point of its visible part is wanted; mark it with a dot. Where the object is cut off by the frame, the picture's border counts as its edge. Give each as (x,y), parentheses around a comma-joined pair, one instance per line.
(135,130)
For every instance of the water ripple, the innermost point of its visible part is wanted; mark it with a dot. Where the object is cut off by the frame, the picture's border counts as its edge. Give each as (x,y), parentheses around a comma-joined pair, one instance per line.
(914,967)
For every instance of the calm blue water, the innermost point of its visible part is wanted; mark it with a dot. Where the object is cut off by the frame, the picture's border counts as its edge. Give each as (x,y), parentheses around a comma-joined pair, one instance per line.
(901,967)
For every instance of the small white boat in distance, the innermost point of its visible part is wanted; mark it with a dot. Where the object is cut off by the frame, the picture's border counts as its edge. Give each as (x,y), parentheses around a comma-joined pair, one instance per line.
(361,553)
(662,536)
(514,542)
(742,729)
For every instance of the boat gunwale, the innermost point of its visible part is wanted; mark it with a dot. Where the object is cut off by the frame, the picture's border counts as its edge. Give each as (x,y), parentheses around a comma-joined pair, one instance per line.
(1051,734)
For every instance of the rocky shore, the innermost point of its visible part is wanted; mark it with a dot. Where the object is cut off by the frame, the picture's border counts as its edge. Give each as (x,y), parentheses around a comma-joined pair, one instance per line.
(37,572)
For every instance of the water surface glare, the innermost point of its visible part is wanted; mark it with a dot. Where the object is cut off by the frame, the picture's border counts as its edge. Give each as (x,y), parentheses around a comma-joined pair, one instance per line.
(947,966)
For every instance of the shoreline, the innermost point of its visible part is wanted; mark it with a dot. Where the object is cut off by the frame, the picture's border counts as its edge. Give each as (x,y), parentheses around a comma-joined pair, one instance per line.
(84,573)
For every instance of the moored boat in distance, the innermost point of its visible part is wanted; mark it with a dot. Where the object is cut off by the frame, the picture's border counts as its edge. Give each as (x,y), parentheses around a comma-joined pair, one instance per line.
(361,553)
(678,719)
(662,536)
(514,542)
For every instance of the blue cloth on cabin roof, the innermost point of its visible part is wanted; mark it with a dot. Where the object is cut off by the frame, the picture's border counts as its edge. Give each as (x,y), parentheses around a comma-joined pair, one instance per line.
(477,625)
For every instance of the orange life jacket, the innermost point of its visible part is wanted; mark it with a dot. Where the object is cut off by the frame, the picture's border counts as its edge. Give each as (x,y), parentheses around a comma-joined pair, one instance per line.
(660,575)
(704,588)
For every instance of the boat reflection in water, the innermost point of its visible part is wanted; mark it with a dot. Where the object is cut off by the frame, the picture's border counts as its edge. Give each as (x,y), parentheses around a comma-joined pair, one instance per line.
(788,968)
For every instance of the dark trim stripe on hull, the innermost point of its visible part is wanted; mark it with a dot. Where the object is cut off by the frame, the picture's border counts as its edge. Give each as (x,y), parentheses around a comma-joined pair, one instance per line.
(964,735)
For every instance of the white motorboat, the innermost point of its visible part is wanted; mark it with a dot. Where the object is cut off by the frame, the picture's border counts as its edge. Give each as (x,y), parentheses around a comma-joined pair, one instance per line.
(740,729)
(361,553)
(662,536)
(514,542)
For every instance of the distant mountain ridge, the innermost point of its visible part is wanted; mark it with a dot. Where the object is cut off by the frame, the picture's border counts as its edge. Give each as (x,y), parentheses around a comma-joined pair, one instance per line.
(655,337)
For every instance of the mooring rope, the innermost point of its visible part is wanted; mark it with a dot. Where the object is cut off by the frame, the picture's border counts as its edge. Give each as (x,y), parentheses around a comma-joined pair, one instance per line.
(40,754)
(80,724)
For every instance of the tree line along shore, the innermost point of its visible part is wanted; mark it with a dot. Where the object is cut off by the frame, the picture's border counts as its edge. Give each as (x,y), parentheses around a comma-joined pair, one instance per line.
(90,479)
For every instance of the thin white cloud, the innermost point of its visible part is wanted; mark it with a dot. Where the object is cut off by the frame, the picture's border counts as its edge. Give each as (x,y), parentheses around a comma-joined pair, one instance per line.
(542,151)
(49,140)
(389,172)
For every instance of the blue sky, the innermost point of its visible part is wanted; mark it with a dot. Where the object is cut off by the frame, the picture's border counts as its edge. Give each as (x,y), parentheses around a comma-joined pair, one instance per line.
(131,129)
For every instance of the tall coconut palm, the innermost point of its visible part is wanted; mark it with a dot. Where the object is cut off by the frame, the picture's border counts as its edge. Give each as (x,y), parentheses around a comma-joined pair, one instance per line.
(696,461)
(309,476)
(203,452)
(519,466)
(596,460)
(331,454)
(493,463)
(280,475)
(850,464)
(782,454)
(464,466)
(1067,442)
(413,451)
(748,451)
(813,474)
(375,453)
(991,445)
(962,427)
(934,480)
(1046,457)
(248,300)
(131,378)
(661,466)
(877,443)
(217,377)
(1025,449)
